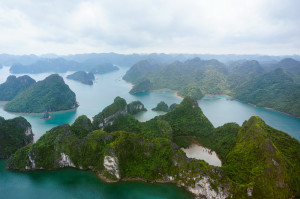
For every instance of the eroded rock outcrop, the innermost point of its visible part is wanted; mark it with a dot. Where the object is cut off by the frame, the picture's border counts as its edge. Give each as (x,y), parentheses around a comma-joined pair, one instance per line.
(111,165)
(118,107)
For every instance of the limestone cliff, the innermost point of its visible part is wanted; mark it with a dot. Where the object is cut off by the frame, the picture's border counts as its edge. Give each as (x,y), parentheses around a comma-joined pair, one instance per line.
(118,107)
(14,134)
(259,161)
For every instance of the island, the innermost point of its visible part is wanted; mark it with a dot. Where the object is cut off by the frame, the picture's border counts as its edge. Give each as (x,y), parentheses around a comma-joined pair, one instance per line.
(141,87)
(119,107)
(14,134)
(83,77)
(135,107)
(104,68)
(276,86)
(50,94)
(161,106)
(257,160)
(14,85)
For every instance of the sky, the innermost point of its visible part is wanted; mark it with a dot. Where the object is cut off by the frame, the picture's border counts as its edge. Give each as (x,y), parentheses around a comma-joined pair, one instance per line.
(270,27)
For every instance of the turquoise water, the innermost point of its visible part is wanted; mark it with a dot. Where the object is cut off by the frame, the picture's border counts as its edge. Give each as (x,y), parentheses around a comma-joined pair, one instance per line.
(70,183)
(75,184)
(92,99)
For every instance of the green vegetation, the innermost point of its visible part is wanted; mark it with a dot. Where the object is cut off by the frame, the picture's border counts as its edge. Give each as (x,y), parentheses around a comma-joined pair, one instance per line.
(135,107)
(83,77)
(137,157)
(13,86)
(257,159)
(50,94)
(103,68)
(260,162)
(221,139)
(209,76)
(246,68)
(117,108)
(192,91)
(111,111)
(14,134)
(275,89)
(82,126)
(141,87)
(186,119)
(292,67)
(172,106)
(245,80)
(161,106)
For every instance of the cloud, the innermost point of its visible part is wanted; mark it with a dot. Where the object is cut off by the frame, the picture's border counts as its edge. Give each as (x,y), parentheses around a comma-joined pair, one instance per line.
(144,26)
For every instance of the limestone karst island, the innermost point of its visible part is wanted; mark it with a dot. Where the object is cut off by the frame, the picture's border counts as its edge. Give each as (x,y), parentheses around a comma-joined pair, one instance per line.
(150,100)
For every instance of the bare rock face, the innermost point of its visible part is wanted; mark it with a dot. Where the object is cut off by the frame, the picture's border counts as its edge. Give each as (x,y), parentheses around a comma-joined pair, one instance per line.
(110,119)
(111,165)
(65,161)
(29,136)
(203,187)
(117,108)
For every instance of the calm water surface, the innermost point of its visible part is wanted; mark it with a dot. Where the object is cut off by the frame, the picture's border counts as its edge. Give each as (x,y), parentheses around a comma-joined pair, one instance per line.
(75,184)
(70,183)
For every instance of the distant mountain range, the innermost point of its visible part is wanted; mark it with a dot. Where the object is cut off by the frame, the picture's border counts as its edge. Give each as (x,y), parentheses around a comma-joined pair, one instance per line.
(127,60)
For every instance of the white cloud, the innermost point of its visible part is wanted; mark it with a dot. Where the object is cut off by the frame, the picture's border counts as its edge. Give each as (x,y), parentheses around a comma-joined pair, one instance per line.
(190,26)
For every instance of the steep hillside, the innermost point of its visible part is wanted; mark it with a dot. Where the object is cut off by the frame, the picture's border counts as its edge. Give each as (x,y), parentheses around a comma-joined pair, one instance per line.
(50,94)
(208,75)
(13,86)
(14,134)
(274,89)
(258,161)
(265,160)
(292,67)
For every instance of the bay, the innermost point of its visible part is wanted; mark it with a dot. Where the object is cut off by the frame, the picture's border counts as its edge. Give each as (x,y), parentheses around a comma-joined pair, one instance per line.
(71,183)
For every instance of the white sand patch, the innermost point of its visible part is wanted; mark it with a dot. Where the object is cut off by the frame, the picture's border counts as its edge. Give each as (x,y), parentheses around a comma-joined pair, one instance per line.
(202,153)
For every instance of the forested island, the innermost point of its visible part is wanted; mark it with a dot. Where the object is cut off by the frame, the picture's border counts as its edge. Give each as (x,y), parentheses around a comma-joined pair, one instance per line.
(14,134)
(50,94)
(161,106)
(83,77)
(257,160)
(276,86)
(13,86)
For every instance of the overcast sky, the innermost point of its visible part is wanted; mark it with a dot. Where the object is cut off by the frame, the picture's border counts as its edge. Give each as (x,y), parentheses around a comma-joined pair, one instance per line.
(145,26)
